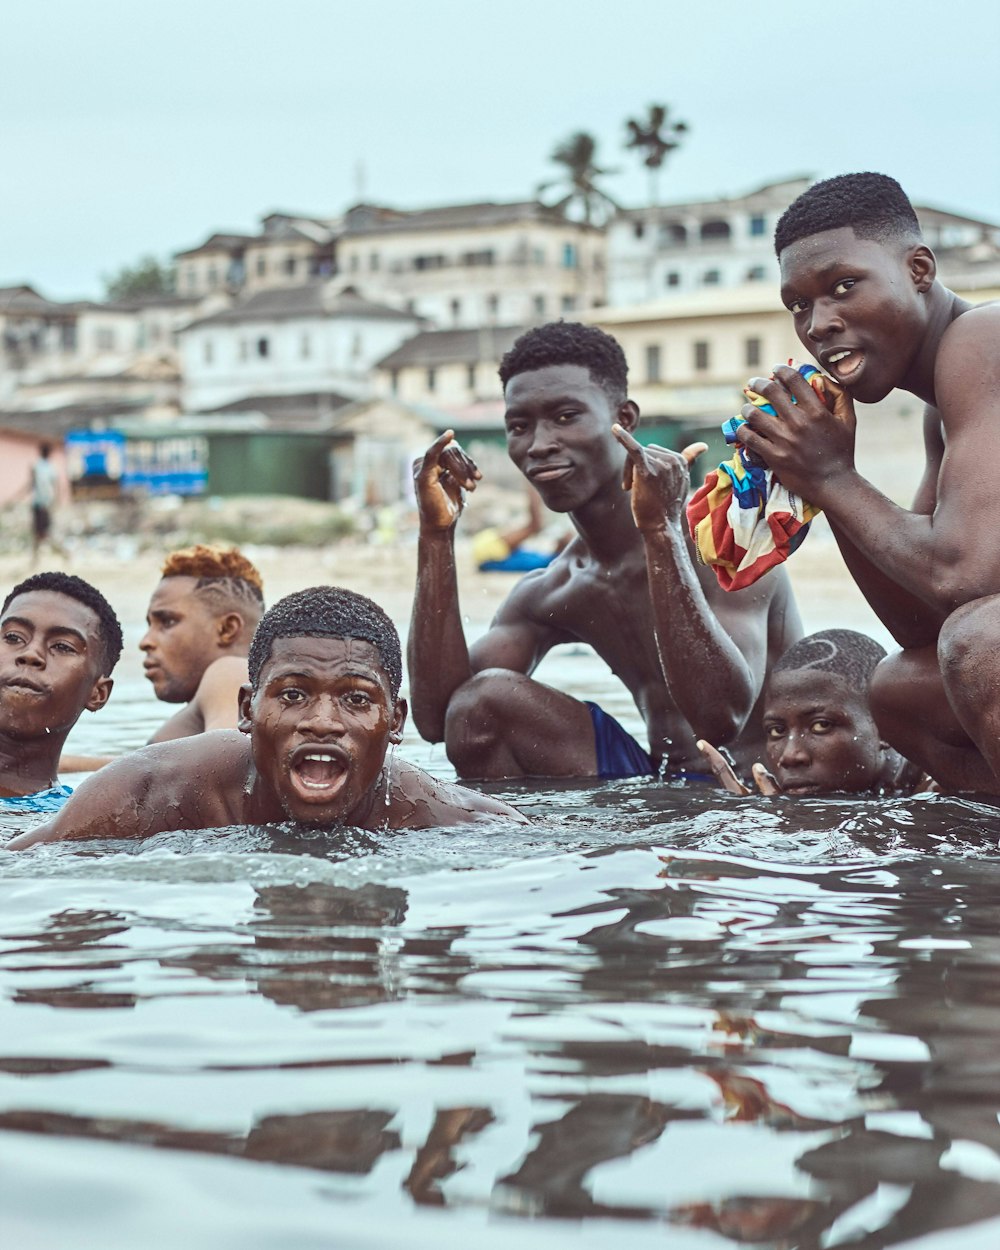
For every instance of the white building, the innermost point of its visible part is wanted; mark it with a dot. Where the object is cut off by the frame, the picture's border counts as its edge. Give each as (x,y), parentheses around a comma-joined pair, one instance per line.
(288,341)
(448,369)
(467,265)
(673,249)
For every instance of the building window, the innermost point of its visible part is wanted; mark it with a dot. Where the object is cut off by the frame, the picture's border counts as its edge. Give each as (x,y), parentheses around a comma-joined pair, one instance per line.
(757,225)
(263,348)
(484,257)
(429,262)
(570,256)
(672,234)
(355,263)
(492,305)
(373,261)
(290,266)
(470,377)
(261,266)
(711,277)
(756,274)
(67,336)
(673,278)
(244,349)
(456,309)
(356,347)
(638,229)
(539,305)
(212,275)
(652,362)
(538,255)
(701,356)
(567,303)
(192,279)
(716,229)
(753,352)
(305,347)
(394,381)
(208,351)
(431,378)
(105,339)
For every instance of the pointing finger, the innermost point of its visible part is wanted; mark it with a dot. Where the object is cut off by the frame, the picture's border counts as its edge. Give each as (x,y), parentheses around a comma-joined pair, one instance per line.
(636,452)
(766,784)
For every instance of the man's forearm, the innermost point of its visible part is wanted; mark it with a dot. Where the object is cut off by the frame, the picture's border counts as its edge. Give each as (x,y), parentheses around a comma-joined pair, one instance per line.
(708,677)
(437,653)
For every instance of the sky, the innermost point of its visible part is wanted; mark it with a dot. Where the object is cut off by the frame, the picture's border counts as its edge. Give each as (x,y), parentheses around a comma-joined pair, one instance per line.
(134,128)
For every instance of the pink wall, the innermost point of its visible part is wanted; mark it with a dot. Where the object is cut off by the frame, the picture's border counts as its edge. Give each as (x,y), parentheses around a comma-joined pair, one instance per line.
(18,452)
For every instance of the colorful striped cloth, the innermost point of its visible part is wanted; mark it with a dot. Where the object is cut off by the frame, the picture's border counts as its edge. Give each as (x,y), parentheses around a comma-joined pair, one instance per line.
(742,520)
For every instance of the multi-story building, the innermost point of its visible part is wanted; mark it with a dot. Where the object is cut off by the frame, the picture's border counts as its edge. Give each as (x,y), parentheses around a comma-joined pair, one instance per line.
(467,265)
(289,340)
(448,369)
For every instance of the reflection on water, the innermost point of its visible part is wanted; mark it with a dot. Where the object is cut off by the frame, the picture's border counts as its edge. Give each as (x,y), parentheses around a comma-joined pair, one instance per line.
(657,1014)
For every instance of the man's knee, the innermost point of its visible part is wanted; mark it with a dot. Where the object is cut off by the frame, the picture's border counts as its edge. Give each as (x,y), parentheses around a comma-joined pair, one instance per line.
(969,641)
(478,712)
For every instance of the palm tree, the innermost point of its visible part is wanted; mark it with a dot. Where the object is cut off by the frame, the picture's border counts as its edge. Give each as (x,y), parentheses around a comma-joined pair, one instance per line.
(578,156)
(657,138)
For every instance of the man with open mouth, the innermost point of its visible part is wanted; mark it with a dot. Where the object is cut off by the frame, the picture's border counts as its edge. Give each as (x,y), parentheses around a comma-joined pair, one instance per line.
(318,717)
(862,289)
(59,643)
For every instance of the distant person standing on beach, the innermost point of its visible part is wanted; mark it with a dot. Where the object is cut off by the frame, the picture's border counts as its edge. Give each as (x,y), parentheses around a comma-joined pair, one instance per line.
(43,487)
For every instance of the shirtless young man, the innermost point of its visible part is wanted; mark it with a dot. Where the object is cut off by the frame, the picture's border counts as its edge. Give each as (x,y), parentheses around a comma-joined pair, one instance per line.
(861,286)
(200,621)
(693,658)
(317,717)
(59,642)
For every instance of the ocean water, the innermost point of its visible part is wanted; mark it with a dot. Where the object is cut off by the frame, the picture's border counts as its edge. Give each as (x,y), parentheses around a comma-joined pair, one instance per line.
(658,1016)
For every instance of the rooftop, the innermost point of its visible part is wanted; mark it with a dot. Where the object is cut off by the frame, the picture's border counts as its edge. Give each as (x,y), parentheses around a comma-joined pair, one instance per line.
(315,299)
(448,347)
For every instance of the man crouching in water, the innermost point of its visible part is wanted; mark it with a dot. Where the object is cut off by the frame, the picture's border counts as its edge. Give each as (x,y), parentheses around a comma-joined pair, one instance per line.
(317,717)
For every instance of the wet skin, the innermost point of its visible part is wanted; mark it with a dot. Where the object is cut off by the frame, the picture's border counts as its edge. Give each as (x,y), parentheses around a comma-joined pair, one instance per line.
(480,700)
(180,641)
(323,697)
(51,656)
(322,719)
(821,737)
(918,569)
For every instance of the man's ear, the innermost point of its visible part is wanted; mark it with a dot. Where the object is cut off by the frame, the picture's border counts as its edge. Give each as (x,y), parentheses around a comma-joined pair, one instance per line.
(244,724)
(398,721)
(100,694)
(923,268)
(627,415)
(229,628)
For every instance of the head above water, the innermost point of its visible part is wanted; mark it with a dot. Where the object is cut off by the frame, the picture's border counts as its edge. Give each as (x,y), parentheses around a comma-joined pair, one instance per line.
(206,606)
(328,612)
(108,628)
(820,733)
(571,343)
(874,206)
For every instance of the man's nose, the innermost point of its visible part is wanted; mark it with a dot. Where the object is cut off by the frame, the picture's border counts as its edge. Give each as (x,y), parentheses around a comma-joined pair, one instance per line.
(145,642)
(323,717)
(823,321)
(794,753)
(543,441)
(32,654)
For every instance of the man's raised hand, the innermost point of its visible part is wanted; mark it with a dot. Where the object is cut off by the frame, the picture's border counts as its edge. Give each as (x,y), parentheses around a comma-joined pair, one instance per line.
(658,479)
(725,774)
(441,479)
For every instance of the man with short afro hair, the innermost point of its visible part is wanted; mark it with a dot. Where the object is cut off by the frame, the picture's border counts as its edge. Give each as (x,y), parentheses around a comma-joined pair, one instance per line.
(59,643)
(693,658)
(862,289)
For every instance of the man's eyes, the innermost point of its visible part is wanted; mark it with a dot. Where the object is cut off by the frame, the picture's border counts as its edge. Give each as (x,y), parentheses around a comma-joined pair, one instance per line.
(291,695)
(774,731)
(358,698)
(11,636)
(65,648)
(821,726)
(843,286)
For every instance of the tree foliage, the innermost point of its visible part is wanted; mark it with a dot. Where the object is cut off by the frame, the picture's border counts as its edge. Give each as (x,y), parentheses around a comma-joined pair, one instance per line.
(655,137)
(146,277)
(581,193)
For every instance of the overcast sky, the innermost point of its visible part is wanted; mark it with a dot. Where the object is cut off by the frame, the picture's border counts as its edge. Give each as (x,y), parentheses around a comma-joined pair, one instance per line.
(133,127)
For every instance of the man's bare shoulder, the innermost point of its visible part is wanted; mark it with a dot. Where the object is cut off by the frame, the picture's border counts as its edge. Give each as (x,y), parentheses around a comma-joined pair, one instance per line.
(188,783)
(421,801)
(967,367)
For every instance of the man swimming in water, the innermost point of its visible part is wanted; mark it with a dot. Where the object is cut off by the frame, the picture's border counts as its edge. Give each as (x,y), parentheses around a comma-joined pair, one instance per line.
(861,286)
(317,717)
(820,736)
(59,643)
(693,658)
(199,624)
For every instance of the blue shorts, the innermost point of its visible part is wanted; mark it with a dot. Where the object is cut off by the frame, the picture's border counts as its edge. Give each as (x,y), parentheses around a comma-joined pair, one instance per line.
(618,753)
